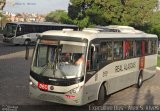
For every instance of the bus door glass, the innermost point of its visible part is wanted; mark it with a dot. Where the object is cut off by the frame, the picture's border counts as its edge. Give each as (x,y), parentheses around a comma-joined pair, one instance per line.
(92,58)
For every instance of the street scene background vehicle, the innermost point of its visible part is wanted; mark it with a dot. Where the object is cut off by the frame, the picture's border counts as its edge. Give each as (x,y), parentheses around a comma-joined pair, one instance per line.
(21,33)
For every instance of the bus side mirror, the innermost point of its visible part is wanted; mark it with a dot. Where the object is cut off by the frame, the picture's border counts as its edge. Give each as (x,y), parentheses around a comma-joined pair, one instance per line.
(27,51)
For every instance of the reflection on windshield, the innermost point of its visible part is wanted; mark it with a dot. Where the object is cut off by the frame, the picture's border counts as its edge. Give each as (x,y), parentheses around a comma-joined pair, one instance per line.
(10,30)
(59,60)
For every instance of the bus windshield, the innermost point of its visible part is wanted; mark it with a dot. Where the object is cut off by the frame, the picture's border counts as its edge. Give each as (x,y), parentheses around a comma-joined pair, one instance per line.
(10,30)
(59,59)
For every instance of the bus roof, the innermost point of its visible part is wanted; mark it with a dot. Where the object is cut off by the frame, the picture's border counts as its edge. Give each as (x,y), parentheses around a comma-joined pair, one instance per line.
(42,23)
(96,34)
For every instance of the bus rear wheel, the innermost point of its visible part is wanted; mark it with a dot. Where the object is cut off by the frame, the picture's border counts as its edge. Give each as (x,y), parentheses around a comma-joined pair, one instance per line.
(101,96)
(140,80)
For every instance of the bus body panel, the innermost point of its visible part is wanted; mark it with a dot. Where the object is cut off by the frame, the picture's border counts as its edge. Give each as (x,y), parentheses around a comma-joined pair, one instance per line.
(116,81)
(32,37)
(150,66)
(54,97)
(91,91)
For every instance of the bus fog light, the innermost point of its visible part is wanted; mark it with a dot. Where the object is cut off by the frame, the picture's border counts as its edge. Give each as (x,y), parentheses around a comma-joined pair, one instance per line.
(31,83)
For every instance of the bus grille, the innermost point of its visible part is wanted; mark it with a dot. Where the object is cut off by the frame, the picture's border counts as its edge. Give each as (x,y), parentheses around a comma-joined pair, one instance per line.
(52,98)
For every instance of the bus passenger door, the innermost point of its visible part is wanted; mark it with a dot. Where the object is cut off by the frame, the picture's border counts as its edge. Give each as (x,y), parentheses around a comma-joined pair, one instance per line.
(91,86)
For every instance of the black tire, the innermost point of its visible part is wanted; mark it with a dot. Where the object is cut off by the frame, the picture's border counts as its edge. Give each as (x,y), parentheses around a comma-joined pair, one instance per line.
(140,80)
(101,96)
(27,42)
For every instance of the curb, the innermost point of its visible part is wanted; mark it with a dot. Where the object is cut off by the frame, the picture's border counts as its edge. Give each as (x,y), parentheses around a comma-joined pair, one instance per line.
(158,68)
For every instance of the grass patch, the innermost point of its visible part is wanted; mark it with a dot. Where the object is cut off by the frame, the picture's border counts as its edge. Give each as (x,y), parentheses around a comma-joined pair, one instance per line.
(158,61)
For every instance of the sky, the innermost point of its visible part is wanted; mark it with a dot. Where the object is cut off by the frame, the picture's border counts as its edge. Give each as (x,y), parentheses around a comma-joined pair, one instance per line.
(35,6)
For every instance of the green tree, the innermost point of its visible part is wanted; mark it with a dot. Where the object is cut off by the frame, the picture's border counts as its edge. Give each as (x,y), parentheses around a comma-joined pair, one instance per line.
(138,12)
(104,12)
(58,16)
(155,24)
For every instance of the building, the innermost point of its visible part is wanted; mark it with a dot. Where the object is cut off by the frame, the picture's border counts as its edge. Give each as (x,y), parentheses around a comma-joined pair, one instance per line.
(24,17)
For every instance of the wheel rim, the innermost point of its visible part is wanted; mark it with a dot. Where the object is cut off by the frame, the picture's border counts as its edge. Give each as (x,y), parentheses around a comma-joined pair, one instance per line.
(26,42)
(140,81)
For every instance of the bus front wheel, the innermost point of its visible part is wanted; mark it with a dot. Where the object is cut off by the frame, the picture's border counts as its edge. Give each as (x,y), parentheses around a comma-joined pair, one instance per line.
(140,80)
(101,96)
(27,42)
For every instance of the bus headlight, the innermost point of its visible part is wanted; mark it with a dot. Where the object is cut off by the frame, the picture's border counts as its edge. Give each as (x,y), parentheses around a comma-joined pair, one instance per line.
(32,84)
(75,90)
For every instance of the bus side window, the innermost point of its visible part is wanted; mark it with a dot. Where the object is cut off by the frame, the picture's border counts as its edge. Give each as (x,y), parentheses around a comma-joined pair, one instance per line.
(118,50)
(149,47)
(128,49)
(146,47)
(105,53)
(138,48)
(153,46)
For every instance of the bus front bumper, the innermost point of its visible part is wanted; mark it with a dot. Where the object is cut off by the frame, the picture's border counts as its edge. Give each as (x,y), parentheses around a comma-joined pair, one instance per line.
(36,93)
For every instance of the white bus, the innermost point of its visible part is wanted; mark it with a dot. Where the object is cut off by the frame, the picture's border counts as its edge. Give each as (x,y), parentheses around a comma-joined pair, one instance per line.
(24,32)
(107,63)
(118,28)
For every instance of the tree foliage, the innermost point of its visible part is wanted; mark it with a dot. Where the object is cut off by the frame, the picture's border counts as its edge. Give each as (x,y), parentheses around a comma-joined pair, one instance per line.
(140,14)
(59,16)
(105,12)
(155,24)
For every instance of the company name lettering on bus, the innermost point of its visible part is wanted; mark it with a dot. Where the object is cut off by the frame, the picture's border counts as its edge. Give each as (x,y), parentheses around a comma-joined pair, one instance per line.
(124,67)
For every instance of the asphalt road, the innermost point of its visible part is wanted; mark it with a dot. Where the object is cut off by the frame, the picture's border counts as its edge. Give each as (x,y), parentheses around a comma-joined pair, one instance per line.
(14,76)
